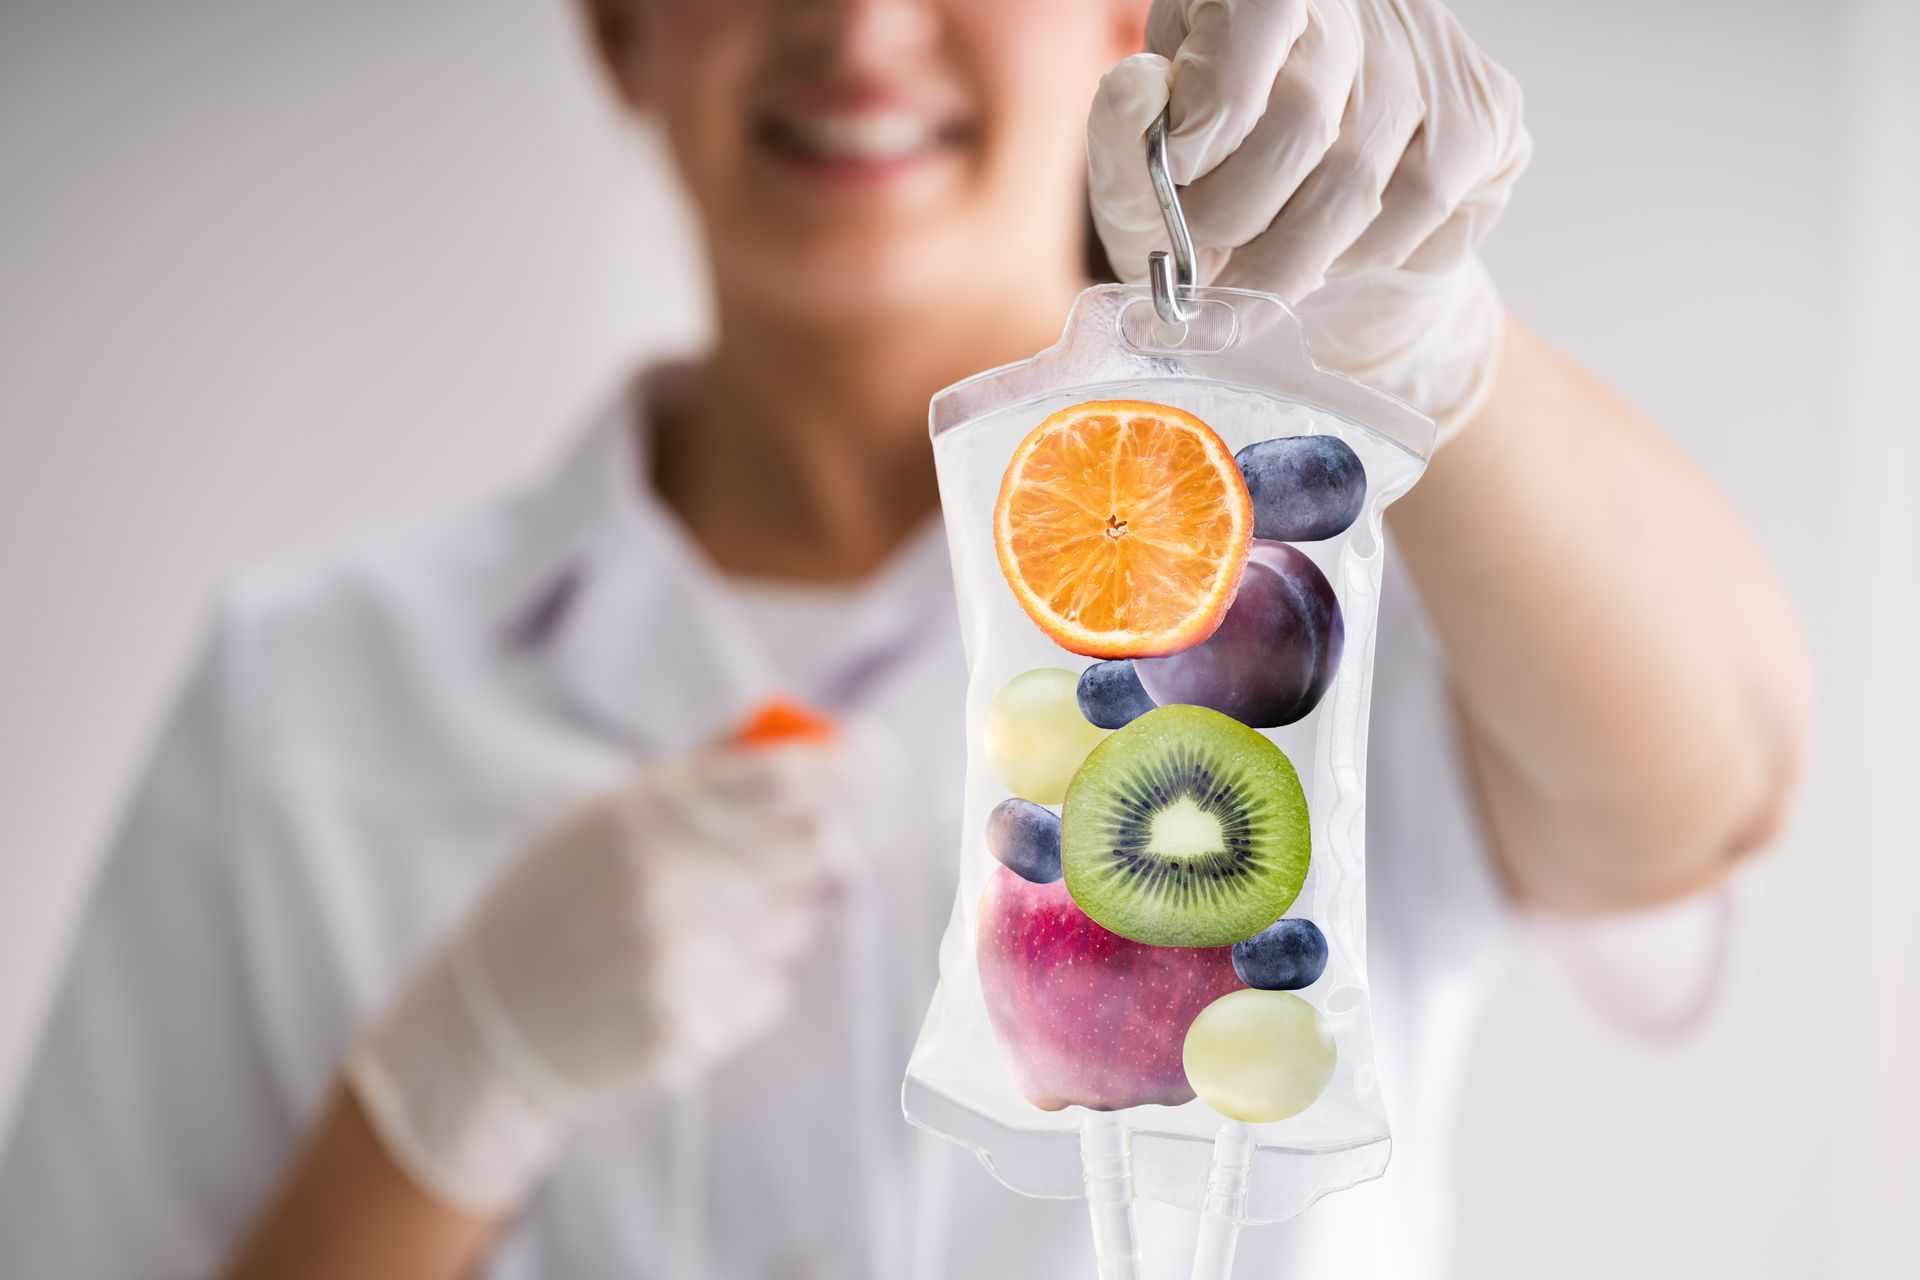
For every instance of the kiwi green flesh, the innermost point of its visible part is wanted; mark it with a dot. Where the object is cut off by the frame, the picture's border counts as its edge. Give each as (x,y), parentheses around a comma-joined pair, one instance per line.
(1185,829)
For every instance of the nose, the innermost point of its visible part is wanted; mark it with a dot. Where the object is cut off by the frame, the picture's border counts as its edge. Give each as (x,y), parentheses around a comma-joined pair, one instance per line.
(861,30)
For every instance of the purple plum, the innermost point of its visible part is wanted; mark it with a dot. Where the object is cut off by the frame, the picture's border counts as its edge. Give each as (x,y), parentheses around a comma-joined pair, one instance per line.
(1274,654)
(1304,488)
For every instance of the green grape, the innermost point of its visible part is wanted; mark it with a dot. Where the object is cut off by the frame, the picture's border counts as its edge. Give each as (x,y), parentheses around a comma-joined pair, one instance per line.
(1036,736)
(1259,1055)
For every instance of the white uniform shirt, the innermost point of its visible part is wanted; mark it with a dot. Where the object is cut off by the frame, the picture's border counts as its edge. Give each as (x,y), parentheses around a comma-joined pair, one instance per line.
(370,735)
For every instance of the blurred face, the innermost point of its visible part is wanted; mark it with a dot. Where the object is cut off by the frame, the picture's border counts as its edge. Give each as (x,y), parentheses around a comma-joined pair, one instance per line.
(856,159)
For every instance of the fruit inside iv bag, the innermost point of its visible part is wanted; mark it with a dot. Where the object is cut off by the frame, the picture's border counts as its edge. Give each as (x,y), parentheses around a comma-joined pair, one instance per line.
(1275,653)
(1167,550)
(1259,1056)
(1036,736)
(1089,1018)
(1136,947)
(1122,528)
(1185,829)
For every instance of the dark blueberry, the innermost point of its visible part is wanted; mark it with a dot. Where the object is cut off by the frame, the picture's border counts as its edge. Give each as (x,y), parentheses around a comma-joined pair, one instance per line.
(1275,653)
(1111,695)
(1026,836)
(1284,956)
(1304,488)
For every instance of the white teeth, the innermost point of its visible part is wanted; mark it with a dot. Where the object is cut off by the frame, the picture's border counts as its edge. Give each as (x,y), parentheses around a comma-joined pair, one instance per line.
(861,135)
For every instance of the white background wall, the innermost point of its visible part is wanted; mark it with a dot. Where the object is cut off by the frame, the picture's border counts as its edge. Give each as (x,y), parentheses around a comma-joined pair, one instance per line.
(268,271)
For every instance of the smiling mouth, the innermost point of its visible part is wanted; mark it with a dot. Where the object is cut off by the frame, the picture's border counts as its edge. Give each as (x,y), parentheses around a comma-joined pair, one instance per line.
(865,139)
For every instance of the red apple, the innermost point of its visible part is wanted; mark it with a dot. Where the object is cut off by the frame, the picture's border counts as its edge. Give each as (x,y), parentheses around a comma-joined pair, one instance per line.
(1086,1016)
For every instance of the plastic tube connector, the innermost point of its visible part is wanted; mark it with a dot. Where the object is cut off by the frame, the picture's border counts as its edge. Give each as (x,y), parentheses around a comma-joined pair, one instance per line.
(1225,1207)
(1106,1162)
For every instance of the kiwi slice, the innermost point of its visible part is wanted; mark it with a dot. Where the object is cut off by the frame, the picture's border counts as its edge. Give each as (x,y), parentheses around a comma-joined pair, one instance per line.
(1185,829)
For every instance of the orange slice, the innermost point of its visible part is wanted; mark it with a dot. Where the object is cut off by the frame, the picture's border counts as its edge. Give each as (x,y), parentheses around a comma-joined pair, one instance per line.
(1123,528)
(782,720)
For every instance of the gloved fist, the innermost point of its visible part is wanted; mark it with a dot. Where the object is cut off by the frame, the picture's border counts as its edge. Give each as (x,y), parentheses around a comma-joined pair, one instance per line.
(629,950)
(1347,155)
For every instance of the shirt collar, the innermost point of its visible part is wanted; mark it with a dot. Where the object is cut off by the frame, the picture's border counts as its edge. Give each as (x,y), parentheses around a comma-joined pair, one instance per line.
(635,632)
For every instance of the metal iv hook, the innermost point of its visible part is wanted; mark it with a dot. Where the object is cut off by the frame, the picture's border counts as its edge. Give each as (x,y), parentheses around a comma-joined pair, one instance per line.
(1172,278)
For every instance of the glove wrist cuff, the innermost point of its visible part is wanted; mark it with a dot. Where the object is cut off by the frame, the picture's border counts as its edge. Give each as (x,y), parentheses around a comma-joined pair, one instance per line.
(1434,341)
(1478,322)
(468,1124)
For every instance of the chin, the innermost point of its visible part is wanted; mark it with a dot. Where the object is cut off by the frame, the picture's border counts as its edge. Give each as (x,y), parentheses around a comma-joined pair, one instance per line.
(853,277)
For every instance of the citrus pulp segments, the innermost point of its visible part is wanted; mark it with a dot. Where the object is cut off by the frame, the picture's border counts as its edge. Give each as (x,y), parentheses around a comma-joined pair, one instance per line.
(1123,527)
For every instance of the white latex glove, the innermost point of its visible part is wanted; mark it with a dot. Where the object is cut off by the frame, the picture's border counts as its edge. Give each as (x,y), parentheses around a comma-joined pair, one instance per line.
(628,951)
(1347,155)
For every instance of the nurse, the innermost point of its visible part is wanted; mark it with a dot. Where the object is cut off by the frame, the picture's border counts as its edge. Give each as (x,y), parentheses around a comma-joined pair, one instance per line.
(441,939)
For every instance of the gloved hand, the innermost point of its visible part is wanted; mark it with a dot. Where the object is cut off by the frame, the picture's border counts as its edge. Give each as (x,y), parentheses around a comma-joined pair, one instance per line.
(627,951)
(1347,155)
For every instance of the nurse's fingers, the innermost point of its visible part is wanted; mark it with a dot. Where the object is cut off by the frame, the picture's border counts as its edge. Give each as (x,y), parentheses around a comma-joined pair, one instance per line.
(1343,195)
(1131,95)
(1469,150)
(739,797)
(775,929)
(1420,197)
(1455,238)
(1306,103)
(761,907)
(704,1025)
(1225,56)
(777,778)
(784,869)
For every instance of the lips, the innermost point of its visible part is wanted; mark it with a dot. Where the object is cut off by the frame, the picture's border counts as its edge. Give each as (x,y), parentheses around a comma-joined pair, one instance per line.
(871,137)
(858,129)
